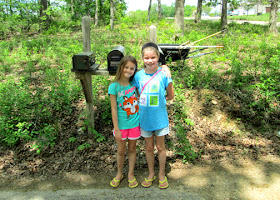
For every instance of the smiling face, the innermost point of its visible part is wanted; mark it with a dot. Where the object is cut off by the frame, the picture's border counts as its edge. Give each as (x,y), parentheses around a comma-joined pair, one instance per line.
(128,70)
(150,58)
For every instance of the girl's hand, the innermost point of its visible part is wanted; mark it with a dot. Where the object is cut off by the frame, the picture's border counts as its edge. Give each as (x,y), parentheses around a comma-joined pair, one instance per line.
(118,135)
(166,71)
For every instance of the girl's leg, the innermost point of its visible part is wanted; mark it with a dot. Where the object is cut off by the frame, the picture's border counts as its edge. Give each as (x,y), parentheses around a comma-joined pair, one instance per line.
(160,144)
(131,159)
(150,157)
(120,158)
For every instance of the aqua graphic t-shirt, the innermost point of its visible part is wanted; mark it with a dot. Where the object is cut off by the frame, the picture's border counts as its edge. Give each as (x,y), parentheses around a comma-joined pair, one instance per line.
(152,109)
(127,105)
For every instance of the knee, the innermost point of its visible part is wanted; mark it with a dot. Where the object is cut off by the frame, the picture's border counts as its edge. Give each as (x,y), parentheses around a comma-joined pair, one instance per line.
(161,148)
(132,150)
(149,148)
(121,152)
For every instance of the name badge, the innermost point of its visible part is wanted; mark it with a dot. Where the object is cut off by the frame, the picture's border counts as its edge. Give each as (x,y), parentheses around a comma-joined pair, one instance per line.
(143,100)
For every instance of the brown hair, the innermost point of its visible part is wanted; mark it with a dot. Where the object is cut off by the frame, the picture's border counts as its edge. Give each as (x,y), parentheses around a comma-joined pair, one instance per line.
(150,48)
(123,62)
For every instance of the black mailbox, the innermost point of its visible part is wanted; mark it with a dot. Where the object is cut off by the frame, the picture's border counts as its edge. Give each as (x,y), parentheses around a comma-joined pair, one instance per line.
(174,52)
(84,61)
(114,58)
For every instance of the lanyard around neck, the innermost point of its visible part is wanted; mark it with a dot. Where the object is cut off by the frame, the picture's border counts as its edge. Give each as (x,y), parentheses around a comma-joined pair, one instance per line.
(149,80)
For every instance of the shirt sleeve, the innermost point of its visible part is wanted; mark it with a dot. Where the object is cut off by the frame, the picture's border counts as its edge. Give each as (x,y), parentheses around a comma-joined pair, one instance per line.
(112,89)
(168,80)
(134,81)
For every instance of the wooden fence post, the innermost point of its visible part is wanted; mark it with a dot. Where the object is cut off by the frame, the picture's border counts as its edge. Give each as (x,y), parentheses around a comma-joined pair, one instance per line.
(85,77)
(153,34)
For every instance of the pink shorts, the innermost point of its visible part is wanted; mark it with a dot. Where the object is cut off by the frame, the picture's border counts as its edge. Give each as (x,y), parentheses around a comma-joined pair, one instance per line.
(131,134)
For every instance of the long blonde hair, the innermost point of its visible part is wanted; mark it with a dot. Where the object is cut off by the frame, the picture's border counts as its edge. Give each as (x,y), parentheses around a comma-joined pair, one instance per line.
(123,62)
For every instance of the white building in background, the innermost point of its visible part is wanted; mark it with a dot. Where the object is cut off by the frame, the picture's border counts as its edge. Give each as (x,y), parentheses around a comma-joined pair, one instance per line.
(257,9)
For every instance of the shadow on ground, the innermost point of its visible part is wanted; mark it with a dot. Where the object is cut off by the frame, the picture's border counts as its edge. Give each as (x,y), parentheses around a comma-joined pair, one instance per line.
(235,179)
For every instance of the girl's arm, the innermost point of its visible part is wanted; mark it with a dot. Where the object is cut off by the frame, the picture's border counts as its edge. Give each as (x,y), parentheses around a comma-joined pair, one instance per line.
(166,71)
(138,94)
(170,91)
(114,112)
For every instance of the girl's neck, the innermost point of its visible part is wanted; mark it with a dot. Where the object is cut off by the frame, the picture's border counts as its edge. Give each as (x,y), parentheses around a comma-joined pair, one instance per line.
(150,71)
(124,81)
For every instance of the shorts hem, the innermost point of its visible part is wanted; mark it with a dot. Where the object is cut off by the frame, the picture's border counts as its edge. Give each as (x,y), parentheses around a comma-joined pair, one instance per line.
(159,132)
(147,136)
(134,138)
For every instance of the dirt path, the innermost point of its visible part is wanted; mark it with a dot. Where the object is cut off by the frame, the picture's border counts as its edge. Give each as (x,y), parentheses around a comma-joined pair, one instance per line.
(238,179)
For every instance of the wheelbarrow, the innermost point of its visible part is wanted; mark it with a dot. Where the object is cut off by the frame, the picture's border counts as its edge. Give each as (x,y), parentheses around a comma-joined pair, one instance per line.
(178,52)
(182,52)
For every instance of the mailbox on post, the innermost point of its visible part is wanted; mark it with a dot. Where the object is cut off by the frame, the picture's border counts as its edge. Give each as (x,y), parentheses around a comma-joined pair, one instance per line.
(84,61)
(114,58)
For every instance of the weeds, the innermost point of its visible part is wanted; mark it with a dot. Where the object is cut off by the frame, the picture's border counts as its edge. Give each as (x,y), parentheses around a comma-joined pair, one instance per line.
(37,86)
(83,146)
(182,146)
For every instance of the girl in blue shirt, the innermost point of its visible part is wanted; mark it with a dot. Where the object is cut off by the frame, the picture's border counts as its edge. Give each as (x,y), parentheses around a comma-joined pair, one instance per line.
(154,124)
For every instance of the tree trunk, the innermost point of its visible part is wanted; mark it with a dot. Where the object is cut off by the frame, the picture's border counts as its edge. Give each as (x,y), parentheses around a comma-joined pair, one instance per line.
(7,10)
(20,10)
(11,8)
(44,18)
(273,16)
(198,12)
(179,14)
(159,10)
(224,15)
(43,7)
(96,13)
(112,11)
(72,7)
(149,10)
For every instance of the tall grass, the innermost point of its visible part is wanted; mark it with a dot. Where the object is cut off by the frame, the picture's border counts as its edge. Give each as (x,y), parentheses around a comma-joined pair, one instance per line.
(38,89)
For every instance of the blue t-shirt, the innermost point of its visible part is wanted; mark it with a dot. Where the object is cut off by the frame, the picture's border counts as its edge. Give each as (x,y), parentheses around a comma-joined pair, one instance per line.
(153,113)
(127,105)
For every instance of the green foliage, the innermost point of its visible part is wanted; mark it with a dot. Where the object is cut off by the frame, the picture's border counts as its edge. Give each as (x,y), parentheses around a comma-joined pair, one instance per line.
(72,139)
(168,11)
(184,148)
(38,89)
(98,136)
(182,125)
(24,17)
(139,17)
(103,103)
(83,146)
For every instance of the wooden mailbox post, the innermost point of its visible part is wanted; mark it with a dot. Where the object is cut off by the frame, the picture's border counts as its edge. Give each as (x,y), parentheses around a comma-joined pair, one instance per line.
(85,74)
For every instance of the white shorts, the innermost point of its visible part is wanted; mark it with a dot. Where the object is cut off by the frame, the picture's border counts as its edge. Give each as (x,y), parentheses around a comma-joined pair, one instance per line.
(159,132)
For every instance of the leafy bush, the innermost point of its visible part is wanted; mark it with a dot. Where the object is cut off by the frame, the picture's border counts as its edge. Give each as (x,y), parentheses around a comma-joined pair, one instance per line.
(37,87)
